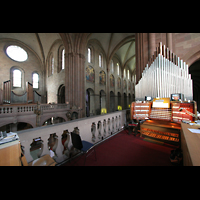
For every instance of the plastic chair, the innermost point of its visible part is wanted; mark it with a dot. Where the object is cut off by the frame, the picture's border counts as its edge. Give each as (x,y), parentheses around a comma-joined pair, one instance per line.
(82,145)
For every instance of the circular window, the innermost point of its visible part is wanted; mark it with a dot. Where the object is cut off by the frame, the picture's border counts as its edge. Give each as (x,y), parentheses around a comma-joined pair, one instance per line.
(16,53)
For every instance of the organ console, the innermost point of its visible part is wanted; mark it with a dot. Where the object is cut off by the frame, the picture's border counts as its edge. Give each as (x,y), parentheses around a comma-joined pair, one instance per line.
(176,112)
(165,76)
(163,123)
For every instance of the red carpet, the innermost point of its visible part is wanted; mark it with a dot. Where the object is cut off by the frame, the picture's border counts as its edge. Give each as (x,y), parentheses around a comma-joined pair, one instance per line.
(126,150)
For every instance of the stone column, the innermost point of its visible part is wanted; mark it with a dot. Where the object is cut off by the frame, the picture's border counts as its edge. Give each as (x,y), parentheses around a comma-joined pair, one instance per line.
(69,78)
(108,90)
(152,44)
(140,57)
(169,41)
(80,93)
(75,81)
(122,88)
(137,54)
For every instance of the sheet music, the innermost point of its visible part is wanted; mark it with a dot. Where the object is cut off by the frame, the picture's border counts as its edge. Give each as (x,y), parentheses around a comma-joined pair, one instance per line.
(10,137)
(194,130)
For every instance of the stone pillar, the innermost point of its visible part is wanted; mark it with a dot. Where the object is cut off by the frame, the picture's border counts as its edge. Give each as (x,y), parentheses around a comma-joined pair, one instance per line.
(80,94)
(68,78)
(75,81)
(152,44)
(37,111)
(122,89)
(137,54)
(140,57)
(169,41)
(108,90)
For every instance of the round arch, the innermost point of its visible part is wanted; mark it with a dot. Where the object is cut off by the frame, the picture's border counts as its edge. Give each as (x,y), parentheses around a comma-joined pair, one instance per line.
(119,99)
(90,102)
(112,102)
(61,94)
(19,126)
(23,126)
(56,120)
(102,99)
(125,101)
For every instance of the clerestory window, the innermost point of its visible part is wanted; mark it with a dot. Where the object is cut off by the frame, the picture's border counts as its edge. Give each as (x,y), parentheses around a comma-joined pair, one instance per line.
(17,78)
(35,78)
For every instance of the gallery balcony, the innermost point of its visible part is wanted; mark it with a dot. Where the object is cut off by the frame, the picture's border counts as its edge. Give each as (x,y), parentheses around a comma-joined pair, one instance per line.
(35,114)
(55,139)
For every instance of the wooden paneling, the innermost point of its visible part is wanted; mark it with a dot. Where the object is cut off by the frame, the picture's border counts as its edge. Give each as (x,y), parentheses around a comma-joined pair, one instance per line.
(10,154)
(190,145)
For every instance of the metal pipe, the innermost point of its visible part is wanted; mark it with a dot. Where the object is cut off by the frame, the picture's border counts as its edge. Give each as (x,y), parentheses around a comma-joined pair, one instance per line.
(166,74)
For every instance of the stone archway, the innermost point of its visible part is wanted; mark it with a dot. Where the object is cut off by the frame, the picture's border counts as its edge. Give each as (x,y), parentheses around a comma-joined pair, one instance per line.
(119,99)
(112,102)
(90,102)
(125,101)
(102,99)
(61,94)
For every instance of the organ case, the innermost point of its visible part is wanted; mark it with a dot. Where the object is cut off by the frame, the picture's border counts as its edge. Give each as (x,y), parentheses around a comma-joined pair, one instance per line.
(164,75)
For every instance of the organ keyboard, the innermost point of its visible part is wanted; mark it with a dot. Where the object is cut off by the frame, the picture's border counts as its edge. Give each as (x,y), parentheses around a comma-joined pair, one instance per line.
(163,123)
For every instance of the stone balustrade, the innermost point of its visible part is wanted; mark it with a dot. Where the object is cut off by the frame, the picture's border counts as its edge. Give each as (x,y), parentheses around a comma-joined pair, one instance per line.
(56,139)
(35,114)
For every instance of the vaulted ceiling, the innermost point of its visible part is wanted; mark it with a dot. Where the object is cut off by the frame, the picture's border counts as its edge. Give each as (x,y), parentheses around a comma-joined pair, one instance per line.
(122,44)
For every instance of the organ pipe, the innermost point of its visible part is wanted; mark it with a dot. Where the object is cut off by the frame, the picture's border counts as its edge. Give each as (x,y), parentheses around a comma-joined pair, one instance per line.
(164,75)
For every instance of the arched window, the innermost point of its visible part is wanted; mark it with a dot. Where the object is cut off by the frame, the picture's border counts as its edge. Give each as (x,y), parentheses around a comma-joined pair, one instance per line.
(118,69)
(17,78)
(112,66)
(128,74)
(35,78)
(89,55)
(100,61)
(63,59)
(124,73)
(51,64)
